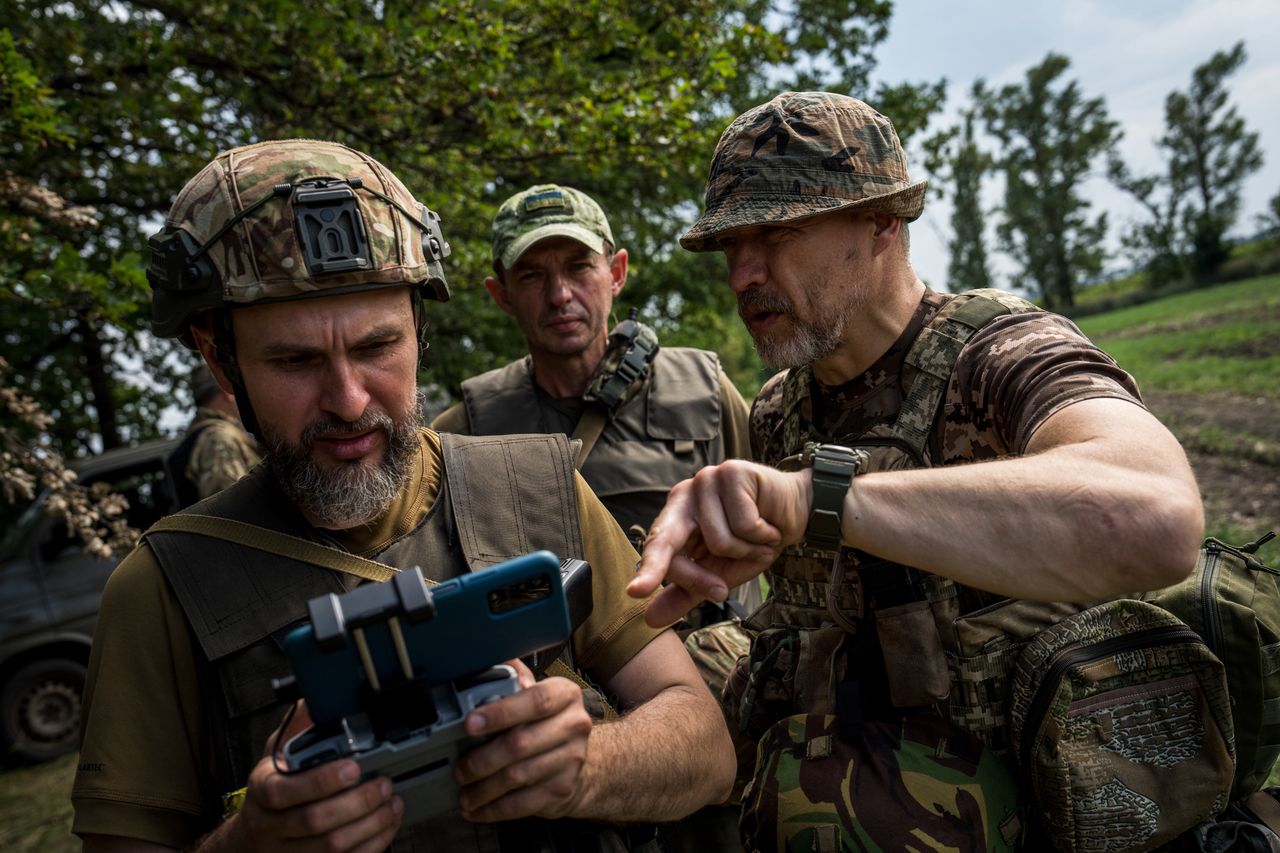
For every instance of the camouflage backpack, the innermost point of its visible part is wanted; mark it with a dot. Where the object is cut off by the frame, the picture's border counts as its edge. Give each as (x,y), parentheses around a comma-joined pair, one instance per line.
(1232,600)
(1121,728)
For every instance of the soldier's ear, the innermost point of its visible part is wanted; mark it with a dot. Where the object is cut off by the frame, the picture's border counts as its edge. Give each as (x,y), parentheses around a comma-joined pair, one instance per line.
(885,235)
(499,293)
(618,270)
(209,351)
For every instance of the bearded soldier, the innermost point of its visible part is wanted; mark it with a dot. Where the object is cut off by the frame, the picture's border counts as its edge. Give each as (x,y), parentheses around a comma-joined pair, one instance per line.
(302,271)
(997,453)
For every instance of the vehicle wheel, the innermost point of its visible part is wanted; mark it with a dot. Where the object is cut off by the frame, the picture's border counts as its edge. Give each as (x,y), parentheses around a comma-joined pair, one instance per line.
(40,709)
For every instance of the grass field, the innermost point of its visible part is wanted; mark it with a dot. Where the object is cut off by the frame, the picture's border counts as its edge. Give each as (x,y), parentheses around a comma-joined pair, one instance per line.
(1208,363)
(1221,340)
(35,808)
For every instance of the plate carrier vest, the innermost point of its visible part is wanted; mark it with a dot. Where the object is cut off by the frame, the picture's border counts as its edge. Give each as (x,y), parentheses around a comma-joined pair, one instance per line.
(909,640)
(240,599)
(657,437)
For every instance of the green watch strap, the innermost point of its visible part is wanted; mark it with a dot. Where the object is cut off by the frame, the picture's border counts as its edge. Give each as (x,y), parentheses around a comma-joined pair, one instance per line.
(834,468)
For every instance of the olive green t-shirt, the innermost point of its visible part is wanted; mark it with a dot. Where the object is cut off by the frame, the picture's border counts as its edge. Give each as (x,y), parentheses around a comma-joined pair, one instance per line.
(147,755)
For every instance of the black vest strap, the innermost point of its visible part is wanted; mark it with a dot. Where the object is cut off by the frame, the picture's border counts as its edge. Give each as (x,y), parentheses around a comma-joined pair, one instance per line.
(176,466)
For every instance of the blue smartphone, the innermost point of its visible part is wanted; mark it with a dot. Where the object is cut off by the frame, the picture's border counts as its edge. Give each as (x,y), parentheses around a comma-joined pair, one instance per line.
(386,633)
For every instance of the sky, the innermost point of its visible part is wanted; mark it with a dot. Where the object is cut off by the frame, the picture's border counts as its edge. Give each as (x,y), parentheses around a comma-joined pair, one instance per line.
(1130,52)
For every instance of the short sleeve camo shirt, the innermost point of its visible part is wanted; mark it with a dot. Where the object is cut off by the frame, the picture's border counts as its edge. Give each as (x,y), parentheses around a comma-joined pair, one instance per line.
(1009,378)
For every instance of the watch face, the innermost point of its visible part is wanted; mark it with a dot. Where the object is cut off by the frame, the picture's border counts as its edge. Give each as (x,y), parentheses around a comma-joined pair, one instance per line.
(837,458)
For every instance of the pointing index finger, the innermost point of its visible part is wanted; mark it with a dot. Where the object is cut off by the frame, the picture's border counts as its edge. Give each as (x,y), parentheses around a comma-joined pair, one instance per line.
(669,533)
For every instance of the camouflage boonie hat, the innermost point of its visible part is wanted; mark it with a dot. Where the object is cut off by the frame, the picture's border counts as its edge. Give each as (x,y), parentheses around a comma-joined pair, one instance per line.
(235,234)
(547,210)
(799,155)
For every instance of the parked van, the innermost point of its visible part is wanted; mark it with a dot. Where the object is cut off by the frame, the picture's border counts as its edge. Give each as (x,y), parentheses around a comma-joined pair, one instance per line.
(49,594)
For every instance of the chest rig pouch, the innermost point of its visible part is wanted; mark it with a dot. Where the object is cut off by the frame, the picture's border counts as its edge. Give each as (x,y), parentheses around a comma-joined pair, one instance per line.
(848,634)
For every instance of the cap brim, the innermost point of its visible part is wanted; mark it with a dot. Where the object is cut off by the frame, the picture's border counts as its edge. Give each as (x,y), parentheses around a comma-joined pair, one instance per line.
(521,244)
(744,211)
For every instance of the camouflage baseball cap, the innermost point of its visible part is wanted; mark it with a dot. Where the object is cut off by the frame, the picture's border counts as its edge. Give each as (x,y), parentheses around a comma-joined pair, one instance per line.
(289,219)
(545,211)
(799,155)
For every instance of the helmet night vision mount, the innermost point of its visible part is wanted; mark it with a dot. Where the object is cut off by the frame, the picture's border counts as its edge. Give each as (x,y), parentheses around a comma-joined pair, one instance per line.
(327,222)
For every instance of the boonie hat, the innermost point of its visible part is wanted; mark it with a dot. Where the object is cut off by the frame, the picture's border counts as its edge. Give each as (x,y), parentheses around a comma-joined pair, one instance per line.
(547,210)
(799,155)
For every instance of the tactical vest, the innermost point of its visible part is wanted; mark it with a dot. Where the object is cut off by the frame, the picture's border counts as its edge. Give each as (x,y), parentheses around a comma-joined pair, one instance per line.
(240,601)
(655,439)
(875,636)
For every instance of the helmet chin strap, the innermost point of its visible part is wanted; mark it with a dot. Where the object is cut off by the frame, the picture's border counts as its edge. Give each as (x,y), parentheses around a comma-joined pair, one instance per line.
(224,347)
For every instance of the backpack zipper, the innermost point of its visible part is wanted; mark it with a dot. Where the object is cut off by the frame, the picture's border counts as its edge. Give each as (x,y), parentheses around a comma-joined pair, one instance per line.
(1208,601)
(1068,658)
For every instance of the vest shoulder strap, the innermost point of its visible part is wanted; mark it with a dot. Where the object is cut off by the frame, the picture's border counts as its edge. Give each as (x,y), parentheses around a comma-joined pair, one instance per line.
(177,461)
(502,400)
(274,542)
(935,351)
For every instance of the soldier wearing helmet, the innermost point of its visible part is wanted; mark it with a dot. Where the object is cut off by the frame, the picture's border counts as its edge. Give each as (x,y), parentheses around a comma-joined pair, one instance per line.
(300,269)
(1046,480)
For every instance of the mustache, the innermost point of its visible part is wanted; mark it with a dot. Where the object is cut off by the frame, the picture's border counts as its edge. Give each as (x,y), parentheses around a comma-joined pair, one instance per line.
(331,426)
(754,301)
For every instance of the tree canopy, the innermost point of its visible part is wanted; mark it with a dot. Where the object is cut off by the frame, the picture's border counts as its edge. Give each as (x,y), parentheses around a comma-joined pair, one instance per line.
(1208,153)
(1050,134)
(466,101)
(955,159)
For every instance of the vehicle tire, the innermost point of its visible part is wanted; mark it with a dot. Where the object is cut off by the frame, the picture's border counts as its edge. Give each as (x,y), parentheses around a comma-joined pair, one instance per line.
(40,710)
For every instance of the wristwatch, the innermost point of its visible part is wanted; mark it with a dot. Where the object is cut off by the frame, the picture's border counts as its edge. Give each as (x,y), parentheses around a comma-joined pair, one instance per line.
(834,468)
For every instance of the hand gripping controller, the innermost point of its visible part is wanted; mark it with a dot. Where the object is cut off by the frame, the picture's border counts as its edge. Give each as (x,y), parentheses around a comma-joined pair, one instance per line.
(390,671)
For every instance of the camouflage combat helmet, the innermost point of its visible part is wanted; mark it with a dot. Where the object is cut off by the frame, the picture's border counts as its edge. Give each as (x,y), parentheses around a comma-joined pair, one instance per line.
(800,155)
(286,220)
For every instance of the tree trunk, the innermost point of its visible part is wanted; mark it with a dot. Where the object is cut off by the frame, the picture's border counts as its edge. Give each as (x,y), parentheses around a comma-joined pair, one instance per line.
(100,382)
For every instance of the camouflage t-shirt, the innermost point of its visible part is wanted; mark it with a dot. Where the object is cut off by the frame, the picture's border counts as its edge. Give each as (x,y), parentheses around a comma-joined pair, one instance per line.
(1008,379)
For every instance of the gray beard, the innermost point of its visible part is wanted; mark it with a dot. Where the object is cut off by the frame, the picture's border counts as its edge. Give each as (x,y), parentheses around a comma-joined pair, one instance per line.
(349,494)
(807,342)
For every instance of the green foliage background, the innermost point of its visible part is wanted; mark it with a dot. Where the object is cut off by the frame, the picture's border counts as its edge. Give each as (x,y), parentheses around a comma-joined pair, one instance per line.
(115,105)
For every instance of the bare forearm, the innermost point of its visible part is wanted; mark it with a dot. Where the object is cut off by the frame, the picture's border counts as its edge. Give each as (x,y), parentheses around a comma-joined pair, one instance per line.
(1059,525)
(660,762)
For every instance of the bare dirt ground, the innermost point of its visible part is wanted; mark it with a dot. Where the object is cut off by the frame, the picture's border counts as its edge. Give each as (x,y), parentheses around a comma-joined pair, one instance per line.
(1234,447)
